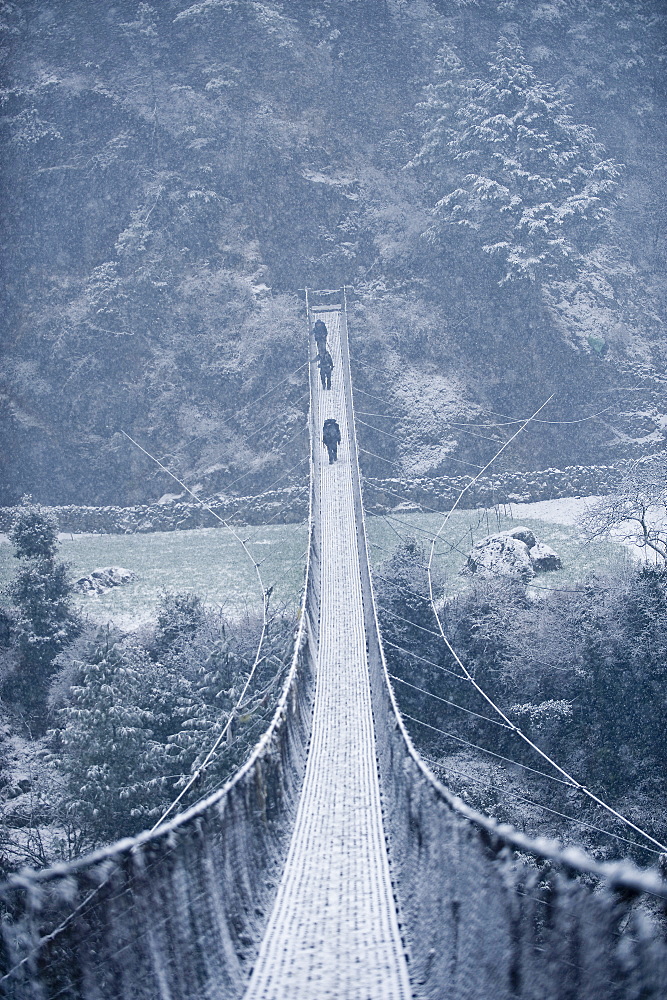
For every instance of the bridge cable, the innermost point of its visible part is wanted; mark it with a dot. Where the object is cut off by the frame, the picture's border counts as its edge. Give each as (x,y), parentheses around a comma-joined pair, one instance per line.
(492,753)
(402,649)
(447,767)
(480,437)
(487,698)
(251,402)
(510,422)
(370,394)
(228,486)
(422,628)
(365,413)
(385,610)
(494,572)
(539,805)
(445,701)
(447,458)
(452,545)
(511,725)
(272,420)
(358,360)
(265,601)
(380,430)
(84,903)
(579,420)
(386,489)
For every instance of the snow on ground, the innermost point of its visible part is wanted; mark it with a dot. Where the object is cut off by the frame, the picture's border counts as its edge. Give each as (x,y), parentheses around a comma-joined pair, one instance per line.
(568,510)
(430,404)
(209,562)
(564,510)
(553,522)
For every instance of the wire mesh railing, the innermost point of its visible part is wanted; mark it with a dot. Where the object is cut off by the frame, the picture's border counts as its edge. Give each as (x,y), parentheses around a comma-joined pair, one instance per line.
(488,911)
(178,912)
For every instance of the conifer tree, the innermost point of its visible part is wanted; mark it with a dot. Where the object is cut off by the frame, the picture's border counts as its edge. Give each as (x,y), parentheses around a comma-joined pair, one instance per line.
(442,98)
(45,621)
(534,189)
(204,705)
(102,741)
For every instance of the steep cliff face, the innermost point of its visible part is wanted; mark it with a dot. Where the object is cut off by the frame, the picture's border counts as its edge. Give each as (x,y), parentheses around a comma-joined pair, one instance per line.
(174,174)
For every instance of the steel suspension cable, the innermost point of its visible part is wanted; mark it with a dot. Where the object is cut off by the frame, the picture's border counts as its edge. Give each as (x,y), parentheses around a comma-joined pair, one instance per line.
(273,388)
(365,413)
(416,656)
(380,430)
(370,394)
(579,420)
(509,422)
(57,931)
(272,420)
(265,602)
(492,753)
(515,795)
(573,781)
(446,701)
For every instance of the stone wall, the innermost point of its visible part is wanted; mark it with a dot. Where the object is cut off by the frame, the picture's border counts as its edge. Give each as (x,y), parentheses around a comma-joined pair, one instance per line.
(290,505)
(511,487)
(278,507)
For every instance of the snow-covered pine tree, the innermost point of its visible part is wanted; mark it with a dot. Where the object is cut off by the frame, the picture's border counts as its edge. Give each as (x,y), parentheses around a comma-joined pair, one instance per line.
(45,620)
(442,98)
(102,742)
(534,188)
(205,705)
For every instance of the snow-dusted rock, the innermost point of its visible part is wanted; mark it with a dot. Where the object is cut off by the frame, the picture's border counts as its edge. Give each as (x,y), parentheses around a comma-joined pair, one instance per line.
(543,558)
(501,555)
(515,553)
(101,580)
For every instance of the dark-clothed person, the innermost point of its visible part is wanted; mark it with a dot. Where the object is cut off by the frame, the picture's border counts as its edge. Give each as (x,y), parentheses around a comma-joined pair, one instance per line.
(320,333)
(331,438)
(326,365)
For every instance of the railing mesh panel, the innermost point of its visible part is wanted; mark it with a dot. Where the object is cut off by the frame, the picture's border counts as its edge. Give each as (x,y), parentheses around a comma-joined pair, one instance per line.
(480,920)
(177,915)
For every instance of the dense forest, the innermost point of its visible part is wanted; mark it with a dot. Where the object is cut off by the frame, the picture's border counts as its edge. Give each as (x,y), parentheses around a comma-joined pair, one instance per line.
(580,670)
(486,175)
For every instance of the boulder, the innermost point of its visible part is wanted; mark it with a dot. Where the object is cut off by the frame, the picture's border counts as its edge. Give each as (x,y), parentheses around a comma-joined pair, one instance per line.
(514,553)
(543,558)
(501,555)
(12,791)
(101,580)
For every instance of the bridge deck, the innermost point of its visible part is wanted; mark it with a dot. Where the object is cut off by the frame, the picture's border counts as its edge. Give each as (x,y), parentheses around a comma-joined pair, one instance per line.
(333,932)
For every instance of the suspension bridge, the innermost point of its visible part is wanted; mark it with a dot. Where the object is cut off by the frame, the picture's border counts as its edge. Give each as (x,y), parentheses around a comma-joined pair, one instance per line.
(334,864)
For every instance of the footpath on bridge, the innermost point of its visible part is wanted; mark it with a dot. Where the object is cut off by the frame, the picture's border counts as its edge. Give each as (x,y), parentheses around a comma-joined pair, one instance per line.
(333,931)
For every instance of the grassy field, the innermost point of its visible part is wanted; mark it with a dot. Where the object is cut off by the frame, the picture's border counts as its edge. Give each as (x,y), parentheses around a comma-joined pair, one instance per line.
(205,561)
(211,563)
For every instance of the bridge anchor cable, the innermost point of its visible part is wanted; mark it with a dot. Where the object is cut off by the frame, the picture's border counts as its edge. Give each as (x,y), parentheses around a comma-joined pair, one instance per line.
(569,778)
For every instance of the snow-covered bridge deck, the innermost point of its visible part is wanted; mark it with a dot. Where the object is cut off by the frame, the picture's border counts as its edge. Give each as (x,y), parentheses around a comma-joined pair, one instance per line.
(334,931)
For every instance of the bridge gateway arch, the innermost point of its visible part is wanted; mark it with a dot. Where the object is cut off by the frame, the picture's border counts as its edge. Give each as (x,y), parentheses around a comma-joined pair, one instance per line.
(334,864)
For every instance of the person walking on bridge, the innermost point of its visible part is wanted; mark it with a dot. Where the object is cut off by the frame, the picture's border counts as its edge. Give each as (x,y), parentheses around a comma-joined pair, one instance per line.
(331,438)
(326,365)
(320,332)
